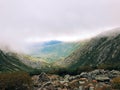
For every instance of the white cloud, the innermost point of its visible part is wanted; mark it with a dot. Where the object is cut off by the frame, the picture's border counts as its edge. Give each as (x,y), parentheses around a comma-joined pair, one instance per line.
(40,20)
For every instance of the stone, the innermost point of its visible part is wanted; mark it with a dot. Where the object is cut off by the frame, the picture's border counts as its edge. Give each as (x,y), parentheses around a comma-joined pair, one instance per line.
(43,77)
(91,88)
(102,78)
(81,82)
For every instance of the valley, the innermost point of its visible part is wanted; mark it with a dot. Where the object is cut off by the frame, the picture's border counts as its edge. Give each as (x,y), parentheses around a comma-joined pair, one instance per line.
(52,51)
(59,44)
(92,64)
(101,51)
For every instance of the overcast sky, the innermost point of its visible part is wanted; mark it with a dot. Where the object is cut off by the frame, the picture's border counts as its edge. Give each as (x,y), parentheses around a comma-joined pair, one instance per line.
(29,21)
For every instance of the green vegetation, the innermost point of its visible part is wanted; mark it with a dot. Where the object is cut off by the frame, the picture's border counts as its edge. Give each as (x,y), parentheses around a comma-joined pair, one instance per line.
(100,52)
(15,81)
(115,66)
(9,62)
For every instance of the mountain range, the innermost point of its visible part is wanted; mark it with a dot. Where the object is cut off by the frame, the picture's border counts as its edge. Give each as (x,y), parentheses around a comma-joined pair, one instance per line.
(102,51)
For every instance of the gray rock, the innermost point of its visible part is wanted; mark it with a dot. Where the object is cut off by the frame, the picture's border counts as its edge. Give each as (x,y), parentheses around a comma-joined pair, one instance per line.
(84,75)
(66,77)
(102,78)
(43,77)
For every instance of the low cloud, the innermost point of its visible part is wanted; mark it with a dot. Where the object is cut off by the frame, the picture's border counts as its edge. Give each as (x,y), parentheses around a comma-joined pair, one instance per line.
(26,21)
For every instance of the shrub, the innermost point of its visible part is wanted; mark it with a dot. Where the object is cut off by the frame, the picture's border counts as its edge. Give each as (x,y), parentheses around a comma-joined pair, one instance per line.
(15,81)
(84,69)
(116,83)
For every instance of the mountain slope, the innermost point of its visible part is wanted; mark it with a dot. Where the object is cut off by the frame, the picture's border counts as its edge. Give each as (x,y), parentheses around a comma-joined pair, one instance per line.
(104,49)
(9,63)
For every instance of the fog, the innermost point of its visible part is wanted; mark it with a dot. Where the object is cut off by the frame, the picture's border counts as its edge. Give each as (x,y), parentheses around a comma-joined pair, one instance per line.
(23,22)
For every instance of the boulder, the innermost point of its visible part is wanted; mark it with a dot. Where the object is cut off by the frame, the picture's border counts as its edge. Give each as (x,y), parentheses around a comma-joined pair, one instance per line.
(84,75)
(43,77)
(102,78)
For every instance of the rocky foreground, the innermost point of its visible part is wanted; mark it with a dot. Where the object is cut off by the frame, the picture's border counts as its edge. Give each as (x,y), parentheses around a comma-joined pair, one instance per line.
(95,80)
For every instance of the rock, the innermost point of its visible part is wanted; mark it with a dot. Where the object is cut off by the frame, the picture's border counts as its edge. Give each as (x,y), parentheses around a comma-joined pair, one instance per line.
(84,75)
(97,72)
(62,82)
(43,77)
(77,76)
(35,79)
(71,78)
(66,77)
(91,88)
(102,78)
(48,86)
(80,88)
(114,73)
(54,77)
(81,82)
(76,82)
(59,88)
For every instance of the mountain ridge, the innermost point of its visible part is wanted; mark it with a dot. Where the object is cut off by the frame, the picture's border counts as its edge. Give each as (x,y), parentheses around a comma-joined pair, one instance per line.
(10,62)
(103,50)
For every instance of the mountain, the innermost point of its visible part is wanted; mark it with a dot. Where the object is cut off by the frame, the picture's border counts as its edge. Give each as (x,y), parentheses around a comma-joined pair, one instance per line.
(9,62)
(54,50)
(103,50)
(45,43)
(52,42)
(33,62)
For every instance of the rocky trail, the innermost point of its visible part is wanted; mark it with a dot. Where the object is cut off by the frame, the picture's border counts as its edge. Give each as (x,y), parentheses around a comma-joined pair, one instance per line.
(95,80)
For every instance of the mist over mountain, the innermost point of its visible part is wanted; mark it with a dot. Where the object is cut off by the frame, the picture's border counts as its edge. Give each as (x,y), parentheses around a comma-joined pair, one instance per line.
(59,44)
(102,50)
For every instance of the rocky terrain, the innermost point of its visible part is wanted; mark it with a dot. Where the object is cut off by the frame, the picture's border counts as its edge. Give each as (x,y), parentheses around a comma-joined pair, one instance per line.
(99,79)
